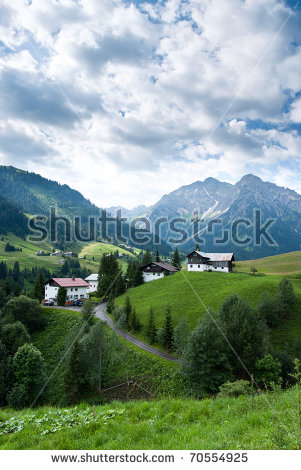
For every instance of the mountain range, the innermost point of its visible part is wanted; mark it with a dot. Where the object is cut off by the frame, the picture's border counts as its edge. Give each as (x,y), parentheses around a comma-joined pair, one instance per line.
(211,199)
(209,203)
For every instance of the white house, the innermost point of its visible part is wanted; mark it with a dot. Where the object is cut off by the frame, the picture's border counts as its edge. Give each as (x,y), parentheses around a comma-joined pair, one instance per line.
(76,288)
(199,261)
(92,280)
(157,270)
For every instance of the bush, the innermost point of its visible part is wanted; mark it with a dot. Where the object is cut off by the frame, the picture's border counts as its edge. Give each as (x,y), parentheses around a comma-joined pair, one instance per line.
(25,310)
(286,291)
(30,371)
(235,389)
(14,335)
(17,397)
(268,371)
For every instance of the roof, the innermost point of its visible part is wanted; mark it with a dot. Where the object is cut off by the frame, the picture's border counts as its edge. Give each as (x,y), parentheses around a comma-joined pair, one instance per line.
(69,281)
(92,277)
(161,264)
(214,256)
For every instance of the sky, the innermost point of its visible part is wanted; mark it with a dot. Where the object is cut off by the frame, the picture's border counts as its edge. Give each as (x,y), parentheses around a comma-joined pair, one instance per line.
(128,100)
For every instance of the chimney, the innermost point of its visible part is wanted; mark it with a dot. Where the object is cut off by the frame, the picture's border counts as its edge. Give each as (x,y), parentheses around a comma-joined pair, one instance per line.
(73,279)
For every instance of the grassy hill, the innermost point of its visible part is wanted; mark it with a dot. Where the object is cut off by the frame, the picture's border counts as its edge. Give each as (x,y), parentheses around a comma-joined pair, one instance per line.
(267,421)
(157,375)
(286,264)
(28,259)
(183,290)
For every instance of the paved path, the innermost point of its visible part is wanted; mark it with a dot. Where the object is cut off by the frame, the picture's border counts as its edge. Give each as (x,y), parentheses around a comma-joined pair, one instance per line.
(100,313)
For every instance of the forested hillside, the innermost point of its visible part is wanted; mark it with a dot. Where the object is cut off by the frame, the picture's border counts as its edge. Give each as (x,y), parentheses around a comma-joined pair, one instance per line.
(12,219)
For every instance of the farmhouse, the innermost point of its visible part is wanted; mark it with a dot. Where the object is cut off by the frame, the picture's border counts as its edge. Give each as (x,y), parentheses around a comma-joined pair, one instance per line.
(199,261)
(76,288)
(92,281)
(157,270)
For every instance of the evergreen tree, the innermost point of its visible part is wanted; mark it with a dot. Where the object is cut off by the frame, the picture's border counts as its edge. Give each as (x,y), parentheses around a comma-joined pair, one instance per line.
(87,311)
(134,323)
(147,257)
(72,377)
(39,287)
(168,334)
(157,257)
(7,287)
(176,259)
(61,296)
(127,310)
(151,330)
(181,335)
(16,289)
(120,286)
(205,361)
(3,270)
(197,247)
(245,333)
(286,291)
(111,303)
(109,272)
(138,279)
(16,272)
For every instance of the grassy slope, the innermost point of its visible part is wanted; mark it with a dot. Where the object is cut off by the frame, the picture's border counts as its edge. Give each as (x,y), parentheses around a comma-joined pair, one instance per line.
(262,422)
(287,263)
(212,288)
(97,250)
(27,257)
(157,375)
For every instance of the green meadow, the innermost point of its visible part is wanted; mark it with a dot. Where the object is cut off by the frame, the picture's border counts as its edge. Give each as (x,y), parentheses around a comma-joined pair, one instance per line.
(268,421)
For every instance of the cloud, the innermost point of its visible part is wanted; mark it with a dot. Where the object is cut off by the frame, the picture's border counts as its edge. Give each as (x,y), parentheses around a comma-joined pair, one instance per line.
(19,147)
(138,96)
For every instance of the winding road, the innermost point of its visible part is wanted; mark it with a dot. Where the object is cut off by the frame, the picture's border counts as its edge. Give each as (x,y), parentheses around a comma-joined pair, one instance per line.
(100,312)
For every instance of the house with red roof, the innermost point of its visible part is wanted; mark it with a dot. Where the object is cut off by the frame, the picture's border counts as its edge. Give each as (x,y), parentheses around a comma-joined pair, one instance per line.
(76,287)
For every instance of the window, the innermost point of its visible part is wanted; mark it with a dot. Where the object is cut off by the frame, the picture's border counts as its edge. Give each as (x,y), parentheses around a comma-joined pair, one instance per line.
(191,265)
(154,274)
(76,289)
(71,289)
(158,274)
(76,296)
(81,296)
(199,266)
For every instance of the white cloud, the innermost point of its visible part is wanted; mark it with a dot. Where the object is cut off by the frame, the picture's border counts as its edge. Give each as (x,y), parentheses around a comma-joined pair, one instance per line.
(137,100)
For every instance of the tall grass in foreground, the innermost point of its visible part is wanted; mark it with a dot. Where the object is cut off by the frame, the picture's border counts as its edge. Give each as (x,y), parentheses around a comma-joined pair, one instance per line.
(267,421)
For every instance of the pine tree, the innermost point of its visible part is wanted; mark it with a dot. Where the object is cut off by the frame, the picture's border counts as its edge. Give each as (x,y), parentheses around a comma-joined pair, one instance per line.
(157,257)
(176,259)
(16,272)
(111,303)
(61,296)
(197,247)
(39,289)
(127,310)
(147,257)
(138,277)
(151,330)
(168,334)
(7,287)
(72,376)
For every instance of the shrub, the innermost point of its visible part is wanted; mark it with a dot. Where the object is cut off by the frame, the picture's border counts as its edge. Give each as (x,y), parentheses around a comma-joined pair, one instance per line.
(235,389)
(25,310)
(14,335)
(17,398)
(268,371)
(30,371)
